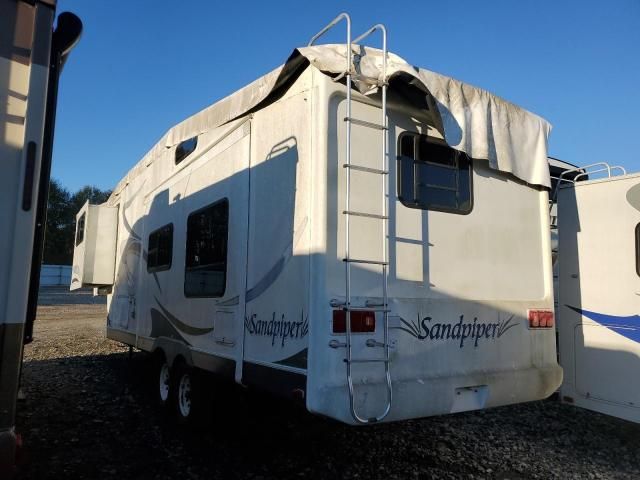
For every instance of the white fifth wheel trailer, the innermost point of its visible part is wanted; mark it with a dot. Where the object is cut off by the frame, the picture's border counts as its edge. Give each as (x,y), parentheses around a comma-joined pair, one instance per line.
(599,277)
(349,229)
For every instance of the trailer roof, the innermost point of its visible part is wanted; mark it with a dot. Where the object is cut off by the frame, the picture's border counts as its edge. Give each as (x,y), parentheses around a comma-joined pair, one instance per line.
(470,119)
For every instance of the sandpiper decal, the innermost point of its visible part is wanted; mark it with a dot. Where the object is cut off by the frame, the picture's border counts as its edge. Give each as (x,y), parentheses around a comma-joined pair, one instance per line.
(280,328)
(475,332)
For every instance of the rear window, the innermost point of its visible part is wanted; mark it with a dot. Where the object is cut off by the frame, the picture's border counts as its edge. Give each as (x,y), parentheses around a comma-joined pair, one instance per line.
(432,175)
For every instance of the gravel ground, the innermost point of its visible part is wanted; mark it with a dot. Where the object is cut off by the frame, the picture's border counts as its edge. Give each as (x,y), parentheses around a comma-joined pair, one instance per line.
(89,414)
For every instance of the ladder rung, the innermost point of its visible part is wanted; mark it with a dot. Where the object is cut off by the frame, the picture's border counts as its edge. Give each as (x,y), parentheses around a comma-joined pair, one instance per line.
(364,123)
(367,360)
(363,214)
(365,169)
(365,309)
(371,262)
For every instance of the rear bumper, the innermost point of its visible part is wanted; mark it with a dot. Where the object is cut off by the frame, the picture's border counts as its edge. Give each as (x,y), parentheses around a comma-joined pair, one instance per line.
(417,398)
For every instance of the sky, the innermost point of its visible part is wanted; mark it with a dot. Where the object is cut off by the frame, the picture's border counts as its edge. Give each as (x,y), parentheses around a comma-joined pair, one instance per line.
(143,66)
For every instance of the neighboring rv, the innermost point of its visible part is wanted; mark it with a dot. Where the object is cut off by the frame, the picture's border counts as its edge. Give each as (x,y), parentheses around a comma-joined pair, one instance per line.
(31,58)
(559,169)
(599,277)
(568,172)
(380,251)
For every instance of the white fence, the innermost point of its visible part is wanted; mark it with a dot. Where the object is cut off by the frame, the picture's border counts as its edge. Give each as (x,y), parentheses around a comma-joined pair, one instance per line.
(55,275)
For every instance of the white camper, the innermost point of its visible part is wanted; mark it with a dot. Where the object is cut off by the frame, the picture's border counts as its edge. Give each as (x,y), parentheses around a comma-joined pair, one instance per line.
(381,251)
(559,172)
(599,269)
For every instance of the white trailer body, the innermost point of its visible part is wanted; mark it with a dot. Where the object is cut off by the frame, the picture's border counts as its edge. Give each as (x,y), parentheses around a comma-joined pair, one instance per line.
(599,268)
(231,245)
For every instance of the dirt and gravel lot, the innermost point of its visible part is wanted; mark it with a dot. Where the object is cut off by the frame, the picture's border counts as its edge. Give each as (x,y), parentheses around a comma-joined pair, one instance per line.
(89,413)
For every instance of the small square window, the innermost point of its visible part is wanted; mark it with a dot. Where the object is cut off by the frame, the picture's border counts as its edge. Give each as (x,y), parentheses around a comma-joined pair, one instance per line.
(433,176)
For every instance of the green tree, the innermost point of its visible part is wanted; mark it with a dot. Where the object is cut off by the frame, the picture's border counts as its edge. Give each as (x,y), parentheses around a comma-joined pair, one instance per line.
(59,223)
(88,192)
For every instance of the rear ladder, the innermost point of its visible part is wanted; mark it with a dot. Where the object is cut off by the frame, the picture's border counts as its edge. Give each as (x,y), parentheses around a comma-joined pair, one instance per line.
(382,307)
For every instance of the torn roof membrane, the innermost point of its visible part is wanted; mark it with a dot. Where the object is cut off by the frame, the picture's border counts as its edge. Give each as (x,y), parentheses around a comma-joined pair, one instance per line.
(470,119)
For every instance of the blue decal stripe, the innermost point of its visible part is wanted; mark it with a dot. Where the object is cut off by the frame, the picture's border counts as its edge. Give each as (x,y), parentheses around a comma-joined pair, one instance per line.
(628,326)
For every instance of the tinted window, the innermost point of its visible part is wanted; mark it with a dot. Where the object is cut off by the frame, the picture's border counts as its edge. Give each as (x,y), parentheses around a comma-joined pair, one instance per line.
(206,257)
(160,249)
(185,149)
(80,229)
(433,176)
(638,249)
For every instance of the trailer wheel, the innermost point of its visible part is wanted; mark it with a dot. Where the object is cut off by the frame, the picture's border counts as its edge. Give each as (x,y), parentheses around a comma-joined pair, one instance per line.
(163,381)
(192,396)
(184,393)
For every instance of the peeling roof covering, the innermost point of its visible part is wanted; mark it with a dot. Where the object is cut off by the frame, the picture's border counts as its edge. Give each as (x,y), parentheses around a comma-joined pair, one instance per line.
(470,119)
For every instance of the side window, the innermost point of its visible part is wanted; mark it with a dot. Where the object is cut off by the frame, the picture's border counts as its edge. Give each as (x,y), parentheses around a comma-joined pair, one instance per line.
(160,249)
(205,273)
(185,148)
(433,176)
(638,249)
(80,229)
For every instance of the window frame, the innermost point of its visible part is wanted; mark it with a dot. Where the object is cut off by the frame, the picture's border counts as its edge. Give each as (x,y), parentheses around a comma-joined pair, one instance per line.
(435,141)
(81,226)
(183,157)
(163,267)
(224,200)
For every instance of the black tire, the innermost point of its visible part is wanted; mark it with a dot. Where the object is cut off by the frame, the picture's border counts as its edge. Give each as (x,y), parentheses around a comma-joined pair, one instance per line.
(162,383)
(192,396)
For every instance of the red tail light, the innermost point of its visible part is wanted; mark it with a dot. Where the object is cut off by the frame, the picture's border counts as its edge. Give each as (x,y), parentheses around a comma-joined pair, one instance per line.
(361,322)
(540,318)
